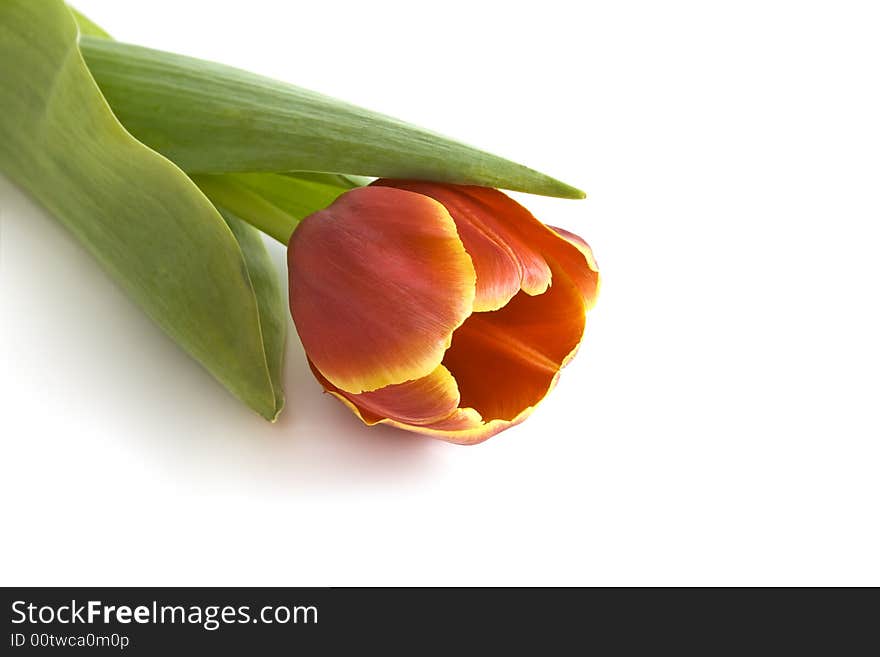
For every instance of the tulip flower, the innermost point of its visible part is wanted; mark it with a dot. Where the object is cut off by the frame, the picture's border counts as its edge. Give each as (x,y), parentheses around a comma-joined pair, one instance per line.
(442,309)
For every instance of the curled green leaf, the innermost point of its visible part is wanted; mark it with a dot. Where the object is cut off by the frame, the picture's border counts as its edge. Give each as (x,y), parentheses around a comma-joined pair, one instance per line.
(136,212)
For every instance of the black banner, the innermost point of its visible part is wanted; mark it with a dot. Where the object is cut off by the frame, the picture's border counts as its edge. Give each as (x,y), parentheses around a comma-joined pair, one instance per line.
(135,621)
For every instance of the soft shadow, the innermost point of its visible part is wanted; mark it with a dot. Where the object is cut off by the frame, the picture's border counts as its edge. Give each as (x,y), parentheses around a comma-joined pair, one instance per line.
(318,441)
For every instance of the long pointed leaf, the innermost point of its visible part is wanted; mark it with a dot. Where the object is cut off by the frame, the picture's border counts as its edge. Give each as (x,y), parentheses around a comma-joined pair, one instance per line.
(211,118)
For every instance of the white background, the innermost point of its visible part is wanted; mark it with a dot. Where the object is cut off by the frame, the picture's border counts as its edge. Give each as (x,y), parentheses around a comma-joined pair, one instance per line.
(718,427)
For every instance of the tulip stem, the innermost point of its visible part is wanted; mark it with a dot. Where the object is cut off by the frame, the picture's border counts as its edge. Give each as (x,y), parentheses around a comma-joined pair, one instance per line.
(248,206)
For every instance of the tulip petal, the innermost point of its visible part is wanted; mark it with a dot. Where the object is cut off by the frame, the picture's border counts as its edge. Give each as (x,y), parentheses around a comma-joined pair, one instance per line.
(427,406)
(379,280)
(464,427)
(507,361)
(587,279)
(499,272)
(566,250)
(423,401)
(487,218)
(503,260)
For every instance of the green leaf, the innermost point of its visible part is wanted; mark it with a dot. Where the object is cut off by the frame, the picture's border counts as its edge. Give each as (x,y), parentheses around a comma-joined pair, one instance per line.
(136,212)
(211,118)
(301,193)
(264,279)
(274,203)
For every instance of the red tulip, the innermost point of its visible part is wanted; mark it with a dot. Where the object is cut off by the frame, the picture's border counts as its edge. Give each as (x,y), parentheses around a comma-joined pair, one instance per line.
(443,309)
